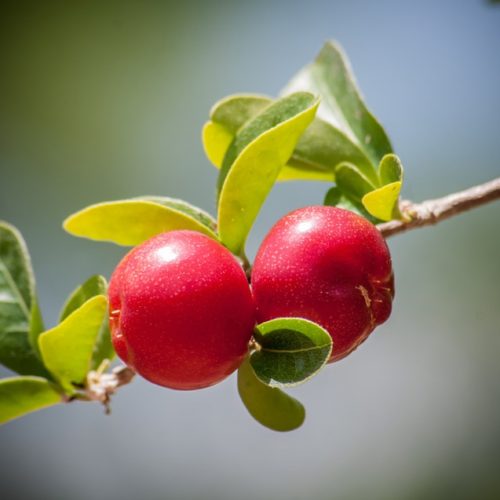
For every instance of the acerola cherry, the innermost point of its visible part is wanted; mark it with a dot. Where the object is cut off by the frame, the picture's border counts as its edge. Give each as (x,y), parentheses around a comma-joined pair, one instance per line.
(181,310)
(327,265)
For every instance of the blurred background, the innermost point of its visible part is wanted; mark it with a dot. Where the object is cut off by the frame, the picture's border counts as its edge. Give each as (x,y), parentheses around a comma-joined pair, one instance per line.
(106,100)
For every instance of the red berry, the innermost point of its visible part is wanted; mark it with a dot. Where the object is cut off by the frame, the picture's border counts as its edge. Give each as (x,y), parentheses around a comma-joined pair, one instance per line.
(327,265)
(181,310)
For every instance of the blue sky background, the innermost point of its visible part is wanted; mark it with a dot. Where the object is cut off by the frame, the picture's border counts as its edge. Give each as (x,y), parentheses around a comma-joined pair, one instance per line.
(105,100)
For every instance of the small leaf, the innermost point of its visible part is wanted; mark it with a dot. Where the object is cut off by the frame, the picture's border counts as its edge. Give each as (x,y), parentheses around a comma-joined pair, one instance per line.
(352,182)
(183,206)
(383,202)
(268,405)
(330,76)
(20,319)
(323,147)
(95,285)
(253,162)
(22,395)
(333,197)
(130,222)
(234,111)
(336,198)
(292,350)
(67,349)
(304,172)
(103,347)
(390,169)
(216,140)
(36,324)
(227,116)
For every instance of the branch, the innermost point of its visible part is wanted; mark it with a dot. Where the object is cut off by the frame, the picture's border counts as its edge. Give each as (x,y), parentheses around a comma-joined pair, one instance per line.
(433,211)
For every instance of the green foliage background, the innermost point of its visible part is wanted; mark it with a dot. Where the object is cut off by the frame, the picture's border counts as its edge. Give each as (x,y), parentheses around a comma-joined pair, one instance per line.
(106,100)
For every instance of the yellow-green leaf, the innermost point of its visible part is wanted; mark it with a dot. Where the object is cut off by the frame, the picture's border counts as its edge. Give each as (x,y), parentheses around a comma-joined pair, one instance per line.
(227,116)
(130,222)
(67,349)
(294,171)
(265,147)
(382,203)
(216,140)
(390,169)
(95,285)
(22,395)
(268,405)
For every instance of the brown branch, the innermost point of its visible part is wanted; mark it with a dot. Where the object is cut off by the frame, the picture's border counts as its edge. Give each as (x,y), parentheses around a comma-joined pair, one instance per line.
(433,211)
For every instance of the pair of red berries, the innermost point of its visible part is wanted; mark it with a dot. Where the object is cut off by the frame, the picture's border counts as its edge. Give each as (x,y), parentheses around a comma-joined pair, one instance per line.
(182,312)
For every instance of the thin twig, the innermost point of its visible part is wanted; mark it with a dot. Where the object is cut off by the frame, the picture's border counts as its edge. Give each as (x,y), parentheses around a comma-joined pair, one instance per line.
(433,211)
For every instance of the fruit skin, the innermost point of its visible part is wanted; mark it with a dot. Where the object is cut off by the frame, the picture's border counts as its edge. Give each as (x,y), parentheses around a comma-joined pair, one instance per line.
(181,310)
(327,265)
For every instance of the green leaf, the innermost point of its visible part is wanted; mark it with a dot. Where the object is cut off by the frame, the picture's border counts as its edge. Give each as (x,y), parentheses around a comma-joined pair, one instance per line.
(20,319)
(103,348)
(22,395)
(383,202)
(268,405)
(330,76)
(130,222)
(67,349)
(390,170)
(253,163)
(322,147)
(333,197)
(95,285)
(318,151)
(183,206)
(272,117)
(234,111)
(216,141)
(352,182)
(336,198)
(227,116)
(36,324)
(291,351)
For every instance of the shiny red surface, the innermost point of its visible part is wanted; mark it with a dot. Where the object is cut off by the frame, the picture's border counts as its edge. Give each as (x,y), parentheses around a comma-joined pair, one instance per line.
(181,310)
(327,265)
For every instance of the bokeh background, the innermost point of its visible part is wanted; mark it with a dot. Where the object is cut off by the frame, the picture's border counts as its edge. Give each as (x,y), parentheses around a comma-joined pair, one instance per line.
(106,100)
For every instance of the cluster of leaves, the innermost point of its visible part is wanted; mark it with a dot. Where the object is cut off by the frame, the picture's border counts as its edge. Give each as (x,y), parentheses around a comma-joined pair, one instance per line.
(343,145)
(321,130)
(52,364)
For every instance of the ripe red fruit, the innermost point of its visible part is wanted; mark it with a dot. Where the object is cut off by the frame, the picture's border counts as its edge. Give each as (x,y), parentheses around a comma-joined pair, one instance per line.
(181,310)
(327,265)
